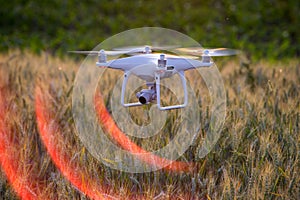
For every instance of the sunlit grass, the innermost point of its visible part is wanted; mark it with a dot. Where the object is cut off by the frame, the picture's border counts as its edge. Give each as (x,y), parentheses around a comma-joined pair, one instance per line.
(257,156)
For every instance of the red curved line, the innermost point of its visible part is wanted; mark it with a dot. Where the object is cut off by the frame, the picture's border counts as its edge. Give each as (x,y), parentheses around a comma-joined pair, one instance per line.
(25,183)
(113,130)
(52,137)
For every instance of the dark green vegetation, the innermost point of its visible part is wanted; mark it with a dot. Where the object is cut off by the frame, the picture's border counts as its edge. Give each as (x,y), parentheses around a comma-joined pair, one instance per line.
(260,28)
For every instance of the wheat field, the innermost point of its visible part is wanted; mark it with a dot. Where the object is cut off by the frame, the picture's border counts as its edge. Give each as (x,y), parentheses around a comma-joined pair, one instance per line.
(256,157)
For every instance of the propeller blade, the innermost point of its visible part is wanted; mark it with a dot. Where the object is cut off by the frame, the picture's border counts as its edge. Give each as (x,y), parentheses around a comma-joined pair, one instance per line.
(109,53)
(85,52)
(198,51)
(143,49)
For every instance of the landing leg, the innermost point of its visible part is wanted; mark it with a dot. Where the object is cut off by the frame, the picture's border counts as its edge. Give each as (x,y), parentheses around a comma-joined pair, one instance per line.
(125,80)
(183,81)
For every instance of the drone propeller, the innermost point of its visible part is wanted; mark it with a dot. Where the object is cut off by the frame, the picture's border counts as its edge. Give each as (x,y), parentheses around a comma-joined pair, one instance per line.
(145,48)
(109,53)
(198,51)
(127,50)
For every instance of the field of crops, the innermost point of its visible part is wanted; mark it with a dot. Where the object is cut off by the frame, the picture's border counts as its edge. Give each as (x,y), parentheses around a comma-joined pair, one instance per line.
(256,157)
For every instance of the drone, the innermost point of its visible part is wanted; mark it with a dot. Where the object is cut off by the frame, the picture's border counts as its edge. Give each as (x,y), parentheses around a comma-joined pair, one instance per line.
(152,64)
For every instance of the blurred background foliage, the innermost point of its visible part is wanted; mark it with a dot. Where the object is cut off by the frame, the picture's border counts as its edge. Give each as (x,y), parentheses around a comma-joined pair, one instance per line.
(264,29)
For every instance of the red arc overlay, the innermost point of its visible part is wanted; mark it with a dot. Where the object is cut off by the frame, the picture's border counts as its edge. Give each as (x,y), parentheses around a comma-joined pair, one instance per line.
(27,186)
(51,136)
(25,183)
(113,130)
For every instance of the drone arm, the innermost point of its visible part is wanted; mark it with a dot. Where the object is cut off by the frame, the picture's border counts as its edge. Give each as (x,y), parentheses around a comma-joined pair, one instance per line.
(183,81)
(187,64)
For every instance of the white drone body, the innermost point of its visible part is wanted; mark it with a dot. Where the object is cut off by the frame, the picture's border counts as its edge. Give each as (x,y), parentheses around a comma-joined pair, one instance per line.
(152,67)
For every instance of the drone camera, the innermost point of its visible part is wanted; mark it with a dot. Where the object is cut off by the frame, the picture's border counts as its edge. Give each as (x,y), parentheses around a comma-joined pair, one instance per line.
(146,96)
(143,99)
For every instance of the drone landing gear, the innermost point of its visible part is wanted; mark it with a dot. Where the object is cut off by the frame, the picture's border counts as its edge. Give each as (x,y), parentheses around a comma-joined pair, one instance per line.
(183,81)
(151,94)
(126,76)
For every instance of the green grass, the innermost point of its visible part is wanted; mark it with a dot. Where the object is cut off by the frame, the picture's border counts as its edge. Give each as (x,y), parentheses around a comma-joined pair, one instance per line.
(257,156)
(263,29)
